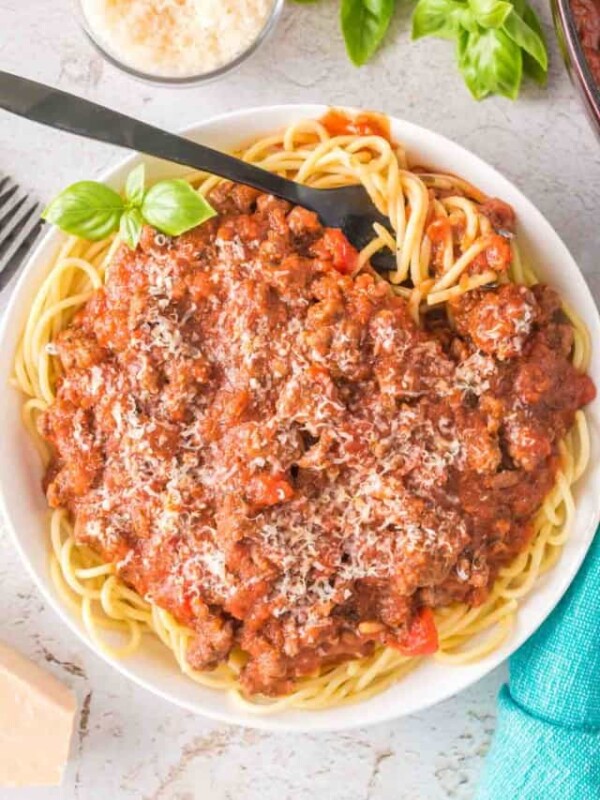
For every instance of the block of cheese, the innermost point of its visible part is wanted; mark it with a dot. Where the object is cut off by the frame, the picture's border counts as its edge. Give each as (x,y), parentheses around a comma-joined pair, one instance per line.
(36,722)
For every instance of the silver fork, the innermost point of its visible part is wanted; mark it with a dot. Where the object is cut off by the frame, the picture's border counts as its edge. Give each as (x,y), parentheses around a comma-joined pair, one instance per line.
(20,224)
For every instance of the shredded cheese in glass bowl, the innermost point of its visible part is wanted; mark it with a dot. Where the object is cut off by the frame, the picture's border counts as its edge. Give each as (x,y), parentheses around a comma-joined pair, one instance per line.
(178,41)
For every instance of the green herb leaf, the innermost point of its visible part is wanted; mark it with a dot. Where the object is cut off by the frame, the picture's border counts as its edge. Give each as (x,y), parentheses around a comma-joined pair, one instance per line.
(490,13)
(467,21)
(87,209)
(130,227)
(490,62)
(134,186)
(530,40)
(364,23)
(437,18)
(530,65)
(173,207)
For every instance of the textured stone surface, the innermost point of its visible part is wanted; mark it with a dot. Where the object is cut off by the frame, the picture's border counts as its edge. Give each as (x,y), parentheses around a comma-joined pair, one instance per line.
(129,743)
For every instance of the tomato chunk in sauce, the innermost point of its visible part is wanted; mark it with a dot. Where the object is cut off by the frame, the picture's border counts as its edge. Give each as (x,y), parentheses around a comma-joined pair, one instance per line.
(338,123)
(264,443)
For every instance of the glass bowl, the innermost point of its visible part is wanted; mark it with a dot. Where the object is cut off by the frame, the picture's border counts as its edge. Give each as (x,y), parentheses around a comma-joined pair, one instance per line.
(576,62)
(180,80)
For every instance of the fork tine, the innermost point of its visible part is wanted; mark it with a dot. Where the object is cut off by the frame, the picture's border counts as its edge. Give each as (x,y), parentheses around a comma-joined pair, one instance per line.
(7,185)
(17,214)
(10,213)
(30,222)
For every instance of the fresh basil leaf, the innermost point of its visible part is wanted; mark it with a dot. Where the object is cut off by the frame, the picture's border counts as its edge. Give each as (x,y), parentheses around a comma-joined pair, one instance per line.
(134,186)
(364,23)
(173,207)
(87,209)
(526,38)
(130,227)
(467,21)
(490,13)
(490,62)
(530,66)
(437,18)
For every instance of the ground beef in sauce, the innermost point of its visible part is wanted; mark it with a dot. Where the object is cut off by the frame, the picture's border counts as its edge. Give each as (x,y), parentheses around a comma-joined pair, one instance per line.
(587,20)
(270,449)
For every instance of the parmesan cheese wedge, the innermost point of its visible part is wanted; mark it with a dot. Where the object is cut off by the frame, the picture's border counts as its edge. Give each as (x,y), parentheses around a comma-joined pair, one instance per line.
(36,722)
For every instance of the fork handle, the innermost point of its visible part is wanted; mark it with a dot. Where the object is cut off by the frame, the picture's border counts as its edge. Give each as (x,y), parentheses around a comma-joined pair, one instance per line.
(67,112)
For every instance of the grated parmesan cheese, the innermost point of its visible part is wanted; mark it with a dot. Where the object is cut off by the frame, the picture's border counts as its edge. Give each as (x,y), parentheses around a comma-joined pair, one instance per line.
(261,460)
(176,38)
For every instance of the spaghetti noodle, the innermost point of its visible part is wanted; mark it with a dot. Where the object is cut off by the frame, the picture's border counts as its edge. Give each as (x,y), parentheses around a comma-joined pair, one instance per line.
(447,245)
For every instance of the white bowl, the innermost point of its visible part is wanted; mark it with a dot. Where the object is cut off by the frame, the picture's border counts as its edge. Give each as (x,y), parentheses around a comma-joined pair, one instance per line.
(25,509)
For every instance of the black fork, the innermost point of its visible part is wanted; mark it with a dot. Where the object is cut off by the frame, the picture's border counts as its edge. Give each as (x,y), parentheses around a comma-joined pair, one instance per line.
(20,224)
(349,208)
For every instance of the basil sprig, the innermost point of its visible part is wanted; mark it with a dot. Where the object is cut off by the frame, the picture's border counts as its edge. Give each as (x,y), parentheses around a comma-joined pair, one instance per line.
(364,24)
(92,210)
(497,42)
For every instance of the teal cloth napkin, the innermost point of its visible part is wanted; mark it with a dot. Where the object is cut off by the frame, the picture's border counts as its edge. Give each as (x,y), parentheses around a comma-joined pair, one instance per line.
(547,740)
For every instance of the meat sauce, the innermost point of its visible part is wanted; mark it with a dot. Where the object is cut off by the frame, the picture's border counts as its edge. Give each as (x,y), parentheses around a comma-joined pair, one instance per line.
(497,254)
(266,445)
(587,20)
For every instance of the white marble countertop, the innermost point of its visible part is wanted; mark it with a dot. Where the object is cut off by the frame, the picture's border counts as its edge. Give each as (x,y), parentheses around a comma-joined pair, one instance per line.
(130,744)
